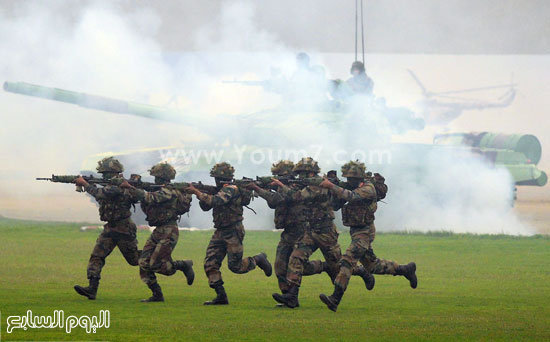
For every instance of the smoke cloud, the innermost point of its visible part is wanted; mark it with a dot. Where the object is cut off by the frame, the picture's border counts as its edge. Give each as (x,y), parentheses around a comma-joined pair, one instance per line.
(104,49)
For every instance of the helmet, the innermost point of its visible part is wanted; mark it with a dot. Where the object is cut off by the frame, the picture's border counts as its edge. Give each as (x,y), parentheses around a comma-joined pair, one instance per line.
(109,164)
(282,168)
(354,169)
(307,164)
(163,170)
(222,170)
(357,65)
(302,60)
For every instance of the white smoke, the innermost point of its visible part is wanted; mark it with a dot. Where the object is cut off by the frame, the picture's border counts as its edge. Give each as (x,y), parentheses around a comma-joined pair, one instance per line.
(105,50)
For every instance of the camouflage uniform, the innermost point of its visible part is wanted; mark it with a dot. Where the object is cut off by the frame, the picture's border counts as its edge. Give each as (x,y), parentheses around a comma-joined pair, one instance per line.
(120,230)
(359,206)
(289,216)
(358,214)
(321,233)
(227,211)
(162,209)
(227,207)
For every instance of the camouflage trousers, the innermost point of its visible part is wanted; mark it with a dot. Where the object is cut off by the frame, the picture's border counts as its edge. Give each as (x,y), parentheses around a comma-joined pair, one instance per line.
(227,241)
(156,256)
(284,250)
(325,239)
(360,249)
(108,240)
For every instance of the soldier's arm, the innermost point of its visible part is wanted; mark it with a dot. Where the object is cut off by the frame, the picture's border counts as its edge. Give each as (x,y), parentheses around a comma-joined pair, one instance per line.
(161,196)
(272,198)
(224,196)
(108,191)
(364,192)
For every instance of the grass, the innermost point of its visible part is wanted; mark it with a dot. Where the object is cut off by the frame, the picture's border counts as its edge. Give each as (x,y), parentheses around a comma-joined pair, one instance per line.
(482,288)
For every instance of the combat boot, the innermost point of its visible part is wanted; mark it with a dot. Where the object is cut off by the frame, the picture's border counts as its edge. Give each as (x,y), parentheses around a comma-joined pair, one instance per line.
(409,271)
(281,305)
(333,300)
(157,294)
(263,263)
(368,278)
(221,298)
(186,266)
(90,291)
(289,299)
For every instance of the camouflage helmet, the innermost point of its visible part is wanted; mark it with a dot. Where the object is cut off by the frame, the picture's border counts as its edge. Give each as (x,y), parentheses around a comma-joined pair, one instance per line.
(354,169)
(222,170)
(163,170)
(307,164)
(357,65)
(282,168)
(109,164)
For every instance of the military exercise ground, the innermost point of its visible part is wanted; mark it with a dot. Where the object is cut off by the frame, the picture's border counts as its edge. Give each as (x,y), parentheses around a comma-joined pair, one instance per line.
(492,288)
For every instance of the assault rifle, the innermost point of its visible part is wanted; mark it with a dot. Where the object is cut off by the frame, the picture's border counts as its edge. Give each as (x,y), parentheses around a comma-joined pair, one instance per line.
(135,180)
(183,186)
(315,181)
(261,181)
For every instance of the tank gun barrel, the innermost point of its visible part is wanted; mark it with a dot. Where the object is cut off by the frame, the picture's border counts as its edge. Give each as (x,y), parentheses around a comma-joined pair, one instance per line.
(94,102)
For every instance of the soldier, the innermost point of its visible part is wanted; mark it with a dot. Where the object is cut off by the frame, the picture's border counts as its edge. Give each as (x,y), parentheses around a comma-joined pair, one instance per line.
(360,198)
(321,233)
(120,230)
(163,209)
(290,217)
(360,83)
(227,205)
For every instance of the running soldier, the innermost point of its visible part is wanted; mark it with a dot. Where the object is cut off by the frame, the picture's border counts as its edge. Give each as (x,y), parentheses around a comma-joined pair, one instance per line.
(321,233)
(290,217)
(163,209)
(227,211)
(360,198)
(120,230)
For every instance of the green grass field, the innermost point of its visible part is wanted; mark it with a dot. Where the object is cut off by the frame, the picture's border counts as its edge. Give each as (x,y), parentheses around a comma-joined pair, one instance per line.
(481,288)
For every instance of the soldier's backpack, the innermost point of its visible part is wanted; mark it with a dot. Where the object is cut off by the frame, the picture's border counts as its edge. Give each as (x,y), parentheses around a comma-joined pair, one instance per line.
(379,184)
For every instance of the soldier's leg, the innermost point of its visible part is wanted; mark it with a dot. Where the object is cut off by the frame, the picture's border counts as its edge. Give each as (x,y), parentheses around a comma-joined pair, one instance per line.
(381,266)
(234,241)
(146,274)
(215,253)
(328,244)
(284,249)
(103,247)
(348,265)
(298,259)
(161,258)
(355,252)
(128,246)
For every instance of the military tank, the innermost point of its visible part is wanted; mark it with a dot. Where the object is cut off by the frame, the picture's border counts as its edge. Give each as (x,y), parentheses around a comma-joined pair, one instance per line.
(518,153)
